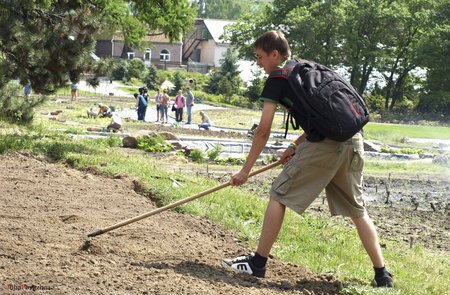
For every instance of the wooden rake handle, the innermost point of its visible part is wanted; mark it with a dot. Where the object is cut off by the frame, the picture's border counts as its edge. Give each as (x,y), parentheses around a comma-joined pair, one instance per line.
(178,203)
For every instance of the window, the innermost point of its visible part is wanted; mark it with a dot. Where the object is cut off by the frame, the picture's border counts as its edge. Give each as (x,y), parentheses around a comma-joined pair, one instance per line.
(164,55)
(148,54)
(130,55)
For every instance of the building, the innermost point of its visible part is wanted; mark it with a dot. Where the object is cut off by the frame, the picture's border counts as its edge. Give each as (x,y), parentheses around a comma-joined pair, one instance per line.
(200,51)
(202,48)
(159,51)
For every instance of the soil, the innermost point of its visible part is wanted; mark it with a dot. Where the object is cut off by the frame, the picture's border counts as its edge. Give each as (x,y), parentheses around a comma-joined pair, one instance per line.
(47,210)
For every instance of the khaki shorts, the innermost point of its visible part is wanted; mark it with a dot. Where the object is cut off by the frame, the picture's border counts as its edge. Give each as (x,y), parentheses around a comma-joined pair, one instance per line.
(331,165)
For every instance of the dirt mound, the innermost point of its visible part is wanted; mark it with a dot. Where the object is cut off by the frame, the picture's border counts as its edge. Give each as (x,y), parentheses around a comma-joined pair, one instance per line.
(47,212)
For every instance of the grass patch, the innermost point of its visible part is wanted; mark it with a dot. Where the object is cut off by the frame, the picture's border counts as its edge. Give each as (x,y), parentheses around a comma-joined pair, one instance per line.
(394,133)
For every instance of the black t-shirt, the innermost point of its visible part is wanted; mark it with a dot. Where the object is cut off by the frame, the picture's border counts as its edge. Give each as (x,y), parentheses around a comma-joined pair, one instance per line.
(278,90)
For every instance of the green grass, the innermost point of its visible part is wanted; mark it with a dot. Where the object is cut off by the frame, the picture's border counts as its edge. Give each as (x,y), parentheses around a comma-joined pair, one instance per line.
(393,133)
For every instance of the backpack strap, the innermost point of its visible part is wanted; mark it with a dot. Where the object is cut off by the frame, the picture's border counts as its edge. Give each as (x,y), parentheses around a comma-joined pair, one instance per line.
(284,73)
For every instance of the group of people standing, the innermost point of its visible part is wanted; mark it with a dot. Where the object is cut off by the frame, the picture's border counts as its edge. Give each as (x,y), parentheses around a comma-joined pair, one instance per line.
(163,102)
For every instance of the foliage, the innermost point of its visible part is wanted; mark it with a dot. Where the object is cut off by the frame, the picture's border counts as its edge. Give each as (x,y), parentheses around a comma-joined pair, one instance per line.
(135,69)
(151,78)
(226,80)
(15,106)
(375,102)
(154,144)
(228,9)
(119,69)
(50,42)
(254,90)
(364,38)
(408,151)
(178,81)
(214,154)
(197,155)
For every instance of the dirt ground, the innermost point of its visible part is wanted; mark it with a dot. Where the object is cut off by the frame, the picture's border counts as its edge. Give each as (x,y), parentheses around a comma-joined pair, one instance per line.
(47,212)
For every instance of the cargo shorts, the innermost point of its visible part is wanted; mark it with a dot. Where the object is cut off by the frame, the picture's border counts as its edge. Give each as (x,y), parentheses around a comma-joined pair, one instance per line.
(334,166)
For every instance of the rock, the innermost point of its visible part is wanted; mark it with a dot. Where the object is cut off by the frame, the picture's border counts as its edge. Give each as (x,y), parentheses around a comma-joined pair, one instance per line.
(96,129)
(130,142)
(371,146)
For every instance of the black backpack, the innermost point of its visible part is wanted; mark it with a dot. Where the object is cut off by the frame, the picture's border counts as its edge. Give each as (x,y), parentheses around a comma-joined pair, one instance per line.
(333,106)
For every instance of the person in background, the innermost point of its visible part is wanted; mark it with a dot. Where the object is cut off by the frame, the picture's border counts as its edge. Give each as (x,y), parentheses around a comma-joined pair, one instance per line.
(206,122)
(180,102)
(189,104)
(74,91)
(144,92)
(141,106)
(104,111)
(116,123)
(158,98)
(27,90)
(165,100)
(312,163)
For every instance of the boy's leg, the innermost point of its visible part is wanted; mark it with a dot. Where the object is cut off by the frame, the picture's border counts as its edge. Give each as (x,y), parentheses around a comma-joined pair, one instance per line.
(273,219)
(255,264)
(369,238)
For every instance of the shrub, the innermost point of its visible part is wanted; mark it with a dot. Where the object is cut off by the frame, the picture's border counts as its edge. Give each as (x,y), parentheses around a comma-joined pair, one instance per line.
(212,155)
(15,107)
(154,144)
(196,155)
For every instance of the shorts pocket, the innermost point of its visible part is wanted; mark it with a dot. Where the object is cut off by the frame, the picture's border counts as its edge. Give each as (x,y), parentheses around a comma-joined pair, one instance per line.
(284,181)
(358,154)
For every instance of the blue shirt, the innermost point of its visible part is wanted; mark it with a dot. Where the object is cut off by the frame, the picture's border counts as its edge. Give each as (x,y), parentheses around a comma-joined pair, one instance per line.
(142,101)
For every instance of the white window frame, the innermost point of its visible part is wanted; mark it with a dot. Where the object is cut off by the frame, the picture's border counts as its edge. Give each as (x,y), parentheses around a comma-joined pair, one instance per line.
(164,55)
(148,53)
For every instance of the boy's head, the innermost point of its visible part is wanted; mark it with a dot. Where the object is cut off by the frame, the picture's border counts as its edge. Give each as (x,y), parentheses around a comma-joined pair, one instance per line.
(273,40)
(271,50)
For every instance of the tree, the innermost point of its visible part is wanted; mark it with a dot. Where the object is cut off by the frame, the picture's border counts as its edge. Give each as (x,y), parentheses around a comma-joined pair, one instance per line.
(361,36)
(228,9)
(228,70)
(151,80)
(178,81)
(136,69)
(253,91)
(48,42)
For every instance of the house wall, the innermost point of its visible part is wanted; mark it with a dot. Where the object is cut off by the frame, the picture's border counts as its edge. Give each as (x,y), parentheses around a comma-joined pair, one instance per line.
(208,49)
(117,49)
(219,53)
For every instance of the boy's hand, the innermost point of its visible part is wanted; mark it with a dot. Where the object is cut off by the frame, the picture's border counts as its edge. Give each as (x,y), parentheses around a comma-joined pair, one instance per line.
(239,178)
(287,155)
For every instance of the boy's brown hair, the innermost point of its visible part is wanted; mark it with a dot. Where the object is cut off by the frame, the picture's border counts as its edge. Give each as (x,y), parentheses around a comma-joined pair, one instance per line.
(273,40)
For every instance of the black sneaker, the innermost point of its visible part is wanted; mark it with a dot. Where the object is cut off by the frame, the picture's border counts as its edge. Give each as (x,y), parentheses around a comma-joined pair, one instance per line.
(384,281)
(245,264)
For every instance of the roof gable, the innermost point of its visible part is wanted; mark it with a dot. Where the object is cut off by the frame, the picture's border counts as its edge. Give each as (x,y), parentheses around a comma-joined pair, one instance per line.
(216,28)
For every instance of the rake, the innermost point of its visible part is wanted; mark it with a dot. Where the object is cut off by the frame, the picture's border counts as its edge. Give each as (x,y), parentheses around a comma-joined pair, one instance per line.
(170,206)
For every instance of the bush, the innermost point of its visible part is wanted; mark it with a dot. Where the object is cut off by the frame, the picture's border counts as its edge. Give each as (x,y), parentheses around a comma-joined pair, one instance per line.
(196,155)
(15,107)
(215,153)
(154,144)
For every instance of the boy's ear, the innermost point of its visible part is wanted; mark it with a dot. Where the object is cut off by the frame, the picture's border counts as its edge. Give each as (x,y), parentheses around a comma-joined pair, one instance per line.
(275,54)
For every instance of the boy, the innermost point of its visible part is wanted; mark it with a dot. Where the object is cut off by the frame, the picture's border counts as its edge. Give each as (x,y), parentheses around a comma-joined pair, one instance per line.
(312,163)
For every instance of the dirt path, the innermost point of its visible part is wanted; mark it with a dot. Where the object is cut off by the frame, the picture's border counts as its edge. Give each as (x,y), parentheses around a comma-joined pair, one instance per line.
(47,211)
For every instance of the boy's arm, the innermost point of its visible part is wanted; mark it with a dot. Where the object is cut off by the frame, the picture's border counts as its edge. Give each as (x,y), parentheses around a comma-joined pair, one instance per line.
(260,138)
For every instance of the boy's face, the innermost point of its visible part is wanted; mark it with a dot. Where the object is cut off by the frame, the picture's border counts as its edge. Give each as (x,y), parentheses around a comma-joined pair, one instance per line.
(268,62)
